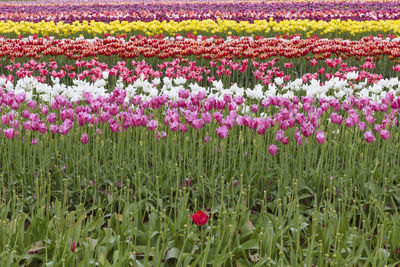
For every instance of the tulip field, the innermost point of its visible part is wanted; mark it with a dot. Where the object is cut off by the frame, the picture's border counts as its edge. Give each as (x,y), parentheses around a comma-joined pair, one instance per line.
(199,133)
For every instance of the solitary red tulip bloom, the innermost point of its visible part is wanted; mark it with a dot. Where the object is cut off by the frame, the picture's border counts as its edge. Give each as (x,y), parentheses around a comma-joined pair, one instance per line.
(200,218)
(73,246)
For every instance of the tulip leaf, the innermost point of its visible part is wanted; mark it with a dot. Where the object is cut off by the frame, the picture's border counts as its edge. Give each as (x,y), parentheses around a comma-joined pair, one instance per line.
(249,244)
(173,253)
(241,263)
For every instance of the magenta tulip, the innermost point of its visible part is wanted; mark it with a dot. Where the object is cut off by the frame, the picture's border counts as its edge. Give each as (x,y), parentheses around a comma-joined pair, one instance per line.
(9,133)
(84,138)
(273,149)
(320,136)
(369,137)
(385,134)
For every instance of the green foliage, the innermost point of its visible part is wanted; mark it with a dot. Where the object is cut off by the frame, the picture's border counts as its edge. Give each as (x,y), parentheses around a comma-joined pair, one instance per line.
(120,200)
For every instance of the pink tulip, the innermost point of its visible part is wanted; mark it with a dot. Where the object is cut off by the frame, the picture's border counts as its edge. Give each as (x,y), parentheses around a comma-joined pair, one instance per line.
(222,131)
(288,65)
(261,129)
(64,129)
(183,128)
(336,119)
(299,137)
(15,105)
(84,138)
(174,126)
(53,128)
(307,129)
(42,128)
(370,119)
(320,136)
(45,110)
(207,117)
(238,100)
(313,62)
(349,122)
(4,119)
(254,108)
(9,133)
(14,124)
(162,134)
(385,134)
(279,135)
(34,141)
(362,125)
(27,125)
(369,137)
(218,116)
(198,124)
(232,106)
(300,118)
(377,127)
(115,127)
(384,107)
(20,98)
(285,140)
(52,117)
(32,104)
(25,114)
(273,149)
(227,98)
(152,125)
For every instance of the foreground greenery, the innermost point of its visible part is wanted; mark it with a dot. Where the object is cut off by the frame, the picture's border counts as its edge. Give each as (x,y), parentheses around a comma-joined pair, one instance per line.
(123,200)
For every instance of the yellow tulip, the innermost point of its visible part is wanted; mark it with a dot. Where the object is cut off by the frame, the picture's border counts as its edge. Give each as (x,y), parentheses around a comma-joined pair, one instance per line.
(202,27)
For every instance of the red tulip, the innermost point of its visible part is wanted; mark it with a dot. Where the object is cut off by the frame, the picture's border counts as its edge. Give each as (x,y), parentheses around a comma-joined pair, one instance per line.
(200,218)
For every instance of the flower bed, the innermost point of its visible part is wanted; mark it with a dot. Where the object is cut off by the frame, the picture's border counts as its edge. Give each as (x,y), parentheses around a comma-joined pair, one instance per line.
(214,133)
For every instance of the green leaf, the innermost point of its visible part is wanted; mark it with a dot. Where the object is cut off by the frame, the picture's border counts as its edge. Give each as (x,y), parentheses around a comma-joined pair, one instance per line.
(102,259)
(249,244)
(173,253)
(241,263)
(138,264)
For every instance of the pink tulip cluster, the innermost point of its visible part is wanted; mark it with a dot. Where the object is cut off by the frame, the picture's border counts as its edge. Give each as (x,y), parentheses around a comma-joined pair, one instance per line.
(309,117)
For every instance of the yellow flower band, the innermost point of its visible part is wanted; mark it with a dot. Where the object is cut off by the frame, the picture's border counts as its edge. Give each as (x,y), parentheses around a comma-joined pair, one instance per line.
(205,27)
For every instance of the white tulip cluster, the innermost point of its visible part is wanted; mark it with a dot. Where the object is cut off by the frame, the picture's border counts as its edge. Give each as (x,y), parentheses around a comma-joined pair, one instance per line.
(147,89)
